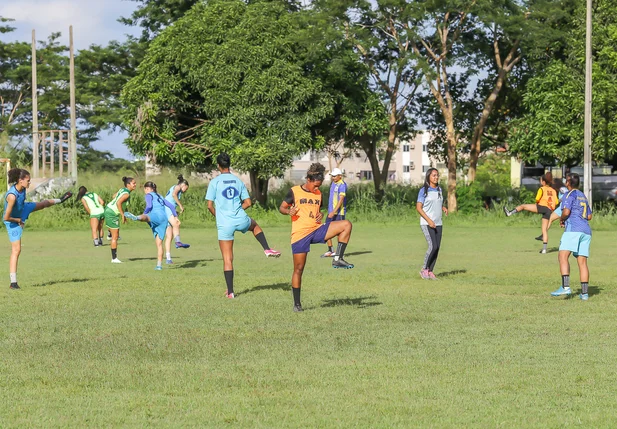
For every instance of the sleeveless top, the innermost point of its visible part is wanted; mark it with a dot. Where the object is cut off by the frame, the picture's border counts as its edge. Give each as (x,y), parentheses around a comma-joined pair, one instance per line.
(113,204)
(20,199)
(549,197)
(170,195)
(308,204)
(92,201)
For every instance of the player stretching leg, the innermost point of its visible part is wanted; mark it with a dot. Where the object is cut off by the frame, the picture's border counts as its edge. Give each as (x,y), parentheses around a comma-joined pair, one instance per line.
(227,201)
(430,206)
(174,195)
(114,210)
(576,214)
(17,211)
(156,216)
(302,203)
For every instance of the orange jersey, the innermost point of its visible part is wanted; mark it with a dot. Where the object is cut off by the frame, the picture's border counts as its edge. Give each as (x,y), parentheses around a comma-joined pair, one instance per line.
(547,197)
(304,221)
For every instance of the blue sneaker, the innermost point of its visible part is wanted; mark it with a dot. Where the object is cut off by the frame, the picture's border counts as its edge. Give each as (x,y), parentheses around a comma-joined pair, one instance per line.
(158,268)
(169,261)
(562,291)
(584,296)
(130,216)
(180,245)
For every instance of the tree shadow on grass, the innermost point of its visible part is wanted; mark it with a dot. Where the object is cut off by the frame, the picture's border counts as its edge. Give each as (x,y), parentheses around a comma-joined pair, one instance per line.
(592,290)
(142,259)
(362,252)
(452,273)
(360,302)
(276,286)
(195,263)
(54,282)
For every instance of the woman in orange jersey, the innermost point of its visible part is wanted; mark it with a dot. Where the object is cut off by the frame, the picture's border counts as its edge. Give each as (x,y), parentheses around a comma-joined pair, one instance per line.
(546,201)
(303,204)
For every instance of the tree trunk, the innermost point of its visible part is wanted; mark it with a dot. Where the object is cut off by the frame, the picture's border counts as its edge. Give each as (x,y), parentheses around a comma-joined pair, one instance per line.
(452,142)
(370,149)
(259,188)
(392,132)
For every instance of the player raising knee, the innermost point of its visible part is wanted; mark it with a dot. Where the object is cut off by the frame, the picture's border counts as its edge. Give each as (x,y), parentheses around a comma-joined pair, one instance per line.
(114,210)
(95,207)
(173,196)
(155,214)
(227,201)
(576,214)
(302,203)
(17,211)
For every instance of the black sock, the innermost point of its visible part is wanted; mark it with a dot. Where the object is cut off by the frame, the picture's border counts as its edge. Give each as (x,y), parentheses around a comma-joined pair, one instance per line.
(262,240)
(296,292)
(584,287)
(340,251)
(330,249)
(114,253)
(229,279)
(565,281)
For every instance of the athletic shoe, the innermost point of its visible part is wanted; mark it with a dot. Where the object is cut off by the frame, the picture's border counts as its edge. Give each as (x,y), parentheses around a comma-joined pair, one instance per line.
(539,237)
(158,268)
(424,274)
(507,212)
(96,243)
(181,245)
(169,261)
(432,276)
(100,241)
(298,308)
(544,251)
(66,196)
(271,253)
(328,254)
(230,295)
(130,216)
(341,263)
(584,296)
(14,286)
(116,261)
(109,237)
(562,291)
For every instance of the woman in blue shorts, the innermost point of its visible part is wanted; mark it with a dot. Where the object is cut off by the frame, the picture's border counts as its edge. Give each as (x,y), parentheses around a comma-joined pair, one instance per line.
(156,217)
(174,195)
(17,211)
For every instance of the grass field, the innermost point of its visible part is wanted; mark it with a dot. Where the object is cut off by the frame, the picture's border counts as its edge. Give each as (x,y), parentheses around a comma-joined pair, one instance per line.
(90,344)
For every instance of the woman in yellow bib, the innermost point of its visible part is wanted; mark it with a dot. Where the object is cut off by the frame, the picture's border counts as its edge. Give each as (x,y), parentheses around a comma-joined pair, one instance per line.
(95,207)
(546,201)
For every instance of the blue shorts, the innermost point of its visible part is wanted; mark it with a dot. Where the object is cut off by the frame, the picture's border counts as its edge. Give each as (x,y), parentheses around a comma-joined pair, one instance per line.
(226,232)
(335,218)
(168,212)
(304,245)
(558,211)
(576,242)
(14,230)
(158,223)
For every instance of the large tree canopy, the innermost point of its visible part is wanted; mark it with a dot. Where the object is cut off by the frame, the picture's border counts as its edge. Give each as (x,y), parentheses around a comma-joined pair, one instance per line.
(228,76)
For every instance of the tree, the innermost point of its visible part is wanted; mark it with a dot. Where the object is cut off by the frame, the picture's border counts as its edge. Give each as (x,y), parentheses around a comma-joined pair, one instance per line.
(228,76)
(153,16)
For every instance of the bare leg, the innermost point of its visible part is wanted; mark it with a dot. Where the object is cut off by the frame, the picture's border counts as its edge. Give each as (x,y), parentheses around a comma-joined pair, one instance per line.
(227,251)
(159,251)
(94,227)
(168,237)
(527,207)
(564,265)
(553,218)
(583,269)
(100,230)
(296,279)
(175,226)
(14,258)
(545,226)
(341,229)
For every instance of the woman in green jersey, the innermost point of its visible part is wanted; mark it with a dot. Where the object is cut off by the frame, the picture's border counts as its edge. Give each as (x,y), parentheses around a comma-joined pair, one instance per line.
(114,211)
(95,207)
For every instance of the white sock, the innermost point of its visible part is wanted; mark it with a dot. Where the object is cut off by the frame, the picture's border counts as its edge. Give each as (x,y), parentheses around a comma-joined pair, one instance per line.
(168,255)
(13,277)
(56,200)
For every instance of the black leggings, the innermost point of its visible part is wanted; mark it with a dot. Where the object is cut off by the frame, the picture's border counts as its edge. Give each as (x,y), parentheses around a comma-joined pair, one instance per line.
(433,238)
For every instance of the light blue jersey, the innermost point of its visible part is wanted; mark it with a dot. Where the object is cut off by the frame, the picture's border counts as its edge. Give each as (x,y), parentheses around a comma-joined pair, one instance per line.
(21,210)
(170,195)
(227,191)
(432,204)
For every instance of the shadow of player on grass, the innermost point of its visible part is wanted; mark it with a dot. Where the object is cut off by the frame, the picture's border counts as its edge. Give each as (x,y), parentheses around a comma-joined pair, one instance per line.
(276,286)
(360,302)
(55,282)
(592,290)
(452,273)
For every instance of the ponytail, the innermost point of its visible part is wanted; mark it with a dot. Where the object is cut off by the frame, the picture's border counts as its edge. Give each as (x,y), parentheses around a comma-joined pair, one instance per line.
(17,174)
(182,180)
(81,193)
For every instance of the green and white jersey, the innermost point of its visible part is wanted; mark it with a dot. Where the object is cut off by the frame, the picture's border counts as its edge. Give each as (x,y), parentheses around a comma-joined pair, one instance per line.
(113,204)
(92,201)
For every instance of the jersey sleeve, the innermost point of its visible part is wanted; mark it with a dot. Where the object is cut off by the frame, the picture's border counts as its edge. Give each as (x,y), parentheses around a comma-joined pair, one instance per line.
(289,198)
(244,193)
(342,190)
(211,192)
(421,196)
(171,207)
(539,195)
(148,208)
(569,200)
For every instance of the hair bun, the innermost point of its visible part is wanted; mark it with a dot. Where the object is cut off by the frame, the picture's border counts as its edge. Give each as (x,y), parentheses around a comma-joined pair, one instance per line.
(180,177)
(123,178)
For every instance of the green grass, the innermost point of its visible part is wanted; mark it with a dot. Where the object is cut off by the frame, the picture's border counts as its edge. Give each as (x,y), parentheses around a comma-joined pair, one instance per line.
(90,344)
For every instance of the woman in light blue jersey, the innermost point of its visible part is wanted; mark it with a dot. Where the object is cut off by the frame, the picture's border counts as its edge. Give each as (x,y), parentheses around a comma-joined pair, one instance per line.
(156,217)
(174,195)
(17,211)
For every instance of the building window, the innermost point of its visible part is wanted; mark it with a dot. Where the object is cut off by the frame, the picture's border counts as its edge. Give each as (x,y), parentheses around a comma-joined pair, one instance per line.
(424,148)
(405,148)
(405,169)
(425,168)
(365,175)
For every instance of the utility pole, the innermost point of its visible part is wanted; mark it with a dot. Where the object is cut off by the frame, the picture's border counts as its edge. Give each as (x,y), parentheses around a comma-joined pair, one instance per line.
(73,139)
(35,113)
(587,160)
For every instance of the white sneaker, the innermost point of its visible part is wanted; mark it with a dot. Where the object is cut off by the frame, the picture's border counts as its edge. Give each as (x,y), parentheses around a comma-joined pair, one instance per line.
(543,251)
(116,261)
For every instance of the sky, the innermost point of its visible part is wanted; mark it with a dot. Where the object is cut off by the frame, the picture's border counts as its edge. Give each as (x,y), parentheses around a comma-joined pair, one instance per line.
(93,21)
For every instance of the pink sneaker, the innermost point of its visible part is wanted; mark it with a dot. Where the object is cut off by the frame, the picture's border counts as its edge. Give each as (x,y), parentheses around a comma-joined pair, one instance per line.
(328,254)
(229,295)
(424,274)
(271,253)
(431,276)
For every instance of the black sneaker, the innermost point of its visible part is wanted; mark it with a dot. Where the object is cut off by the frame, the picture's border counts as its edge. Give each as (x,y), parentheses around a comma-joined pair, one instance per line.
(506,211)
(14,286)
(539,237)
(298,308)
(66,196)
(341,263)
